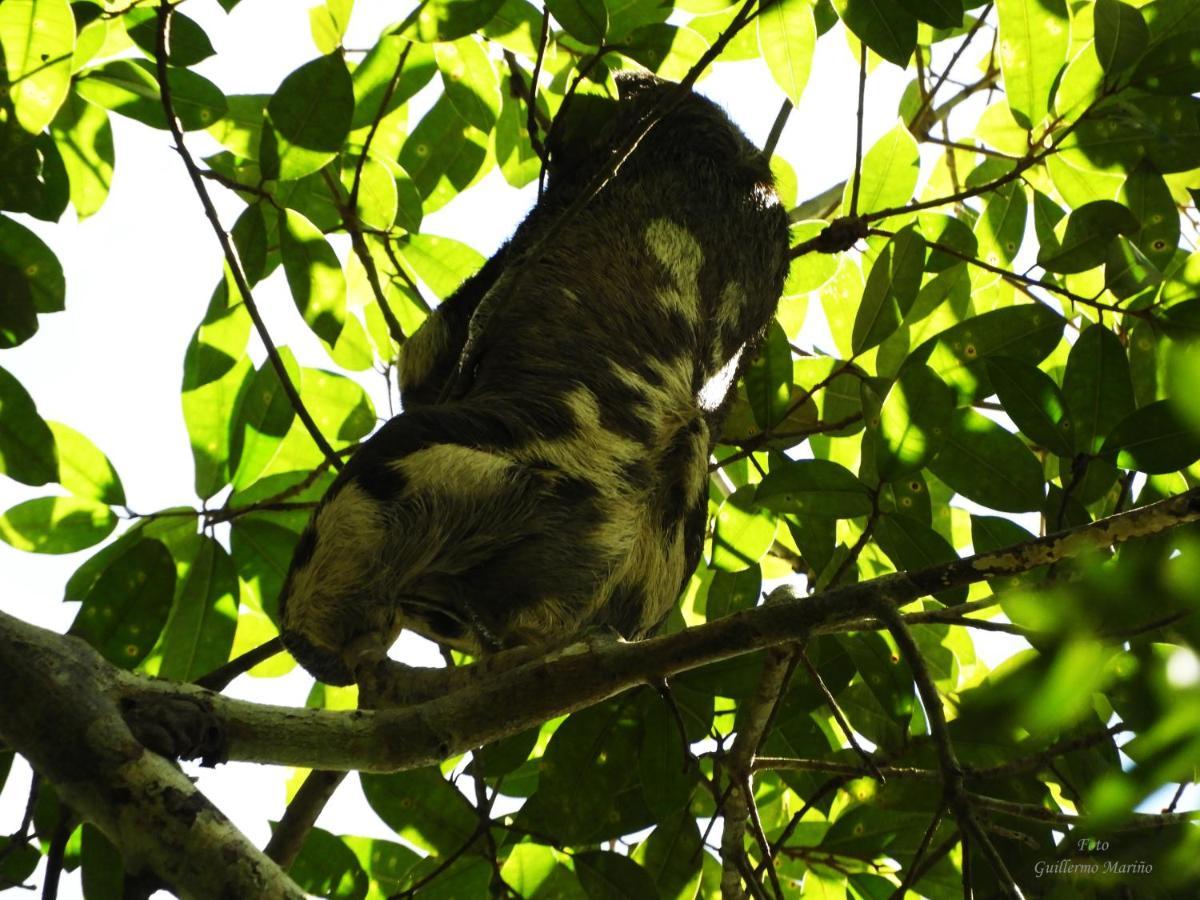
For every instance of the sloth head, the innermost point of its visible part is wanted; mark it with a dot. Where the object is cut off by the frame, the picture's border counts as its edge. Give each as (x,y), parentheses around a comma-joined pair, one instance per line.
(327,599)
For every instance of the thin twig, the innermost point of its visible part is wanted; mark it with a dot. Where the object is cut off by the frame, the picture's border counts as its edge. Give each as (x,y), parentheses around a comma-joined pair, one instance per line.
(781,117)
(910,871)
(231,259)
(301,815)
(838,716)
(858,134)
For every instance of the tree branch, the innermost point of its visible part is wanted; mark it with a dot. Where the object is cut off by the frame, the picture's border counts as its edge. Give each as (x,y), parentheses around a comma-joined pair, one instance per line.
(231,258)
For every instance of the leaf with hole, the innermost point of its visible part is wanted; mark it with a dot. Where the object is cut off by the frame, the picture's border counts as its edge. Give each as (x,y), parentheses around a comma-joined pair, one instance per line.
(37,41)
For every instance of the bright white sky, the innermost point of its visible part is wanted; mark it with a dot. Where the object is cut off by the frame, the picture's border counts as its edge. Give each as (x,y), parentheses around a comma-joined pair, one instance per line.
(141,271)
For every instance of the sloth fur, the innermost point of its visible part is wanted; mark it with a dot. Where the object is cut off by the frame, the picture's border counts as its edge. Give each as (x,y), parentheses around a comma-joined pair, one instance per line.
(553,478)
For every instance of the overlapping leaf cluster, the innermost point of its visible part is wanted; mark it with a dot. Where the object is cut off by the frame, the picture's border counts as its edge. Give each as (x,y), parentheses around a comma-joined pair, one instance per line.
(1017,330)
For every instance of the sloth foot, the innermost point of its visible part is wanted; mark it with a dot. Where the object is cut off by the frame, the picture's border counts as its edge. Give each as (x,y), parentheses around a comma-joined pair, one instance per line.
(177,727)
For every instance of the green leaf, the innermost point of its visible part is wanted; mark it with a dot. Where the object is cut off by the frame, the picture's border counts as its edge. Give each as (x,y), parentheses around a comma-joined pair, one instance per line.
(23,249)
(912,546)
(327,867)
(37,41)
(888,29)
(743,533)
(667,778)
(126,608)
(1090,231)
(189,44)
(421,807)
(605,875)
(83,469)
(891,288)
(18,316)
(667,50)
(787,36)
(56,524)
(1097,386)
(310,117)
(1120,32)
(531,868)
(1153,439)
(672,856)
(938,13)
(987,464)
(328,23)
(84,139)
(199,632)
(1172,66)
(1027,332)
(262,552)
(814,487)
(215,372)
(377,199)
(1146,195)
(889,173)
(730,592)
(912,422)
(442,263)
(130,88)
(1034,38)
(448,20)
(314,275)
(1001,228)
(950,232)
(586,20)
(443,155)
(768,379)
(519,163)
(263,418)
(1033,401)
(374,74)
(26,442)
(102,871)
(339,405)
(470,81)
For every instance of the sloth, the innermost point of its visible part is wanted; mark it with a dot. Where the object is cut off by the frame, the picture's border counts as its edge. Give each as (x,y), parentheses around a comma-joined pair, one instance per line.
(548,472)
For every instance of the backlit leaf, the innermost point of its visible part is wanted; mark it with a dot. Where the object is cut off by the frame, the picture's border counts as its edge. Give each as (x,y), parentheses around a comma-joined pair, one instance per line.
(83,469)
(199,633)
(889,173)
(1033,401)
(1034,36)
(743,532)
(314,274)
(56,524)
(130,87)
(37,40)
(787,36)
(310,115)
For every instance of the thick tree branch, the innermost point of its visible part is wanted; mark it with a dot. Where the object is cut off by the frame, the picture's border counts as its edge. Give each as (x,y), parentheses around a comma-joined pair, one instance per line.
(62,712)
(483,703)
